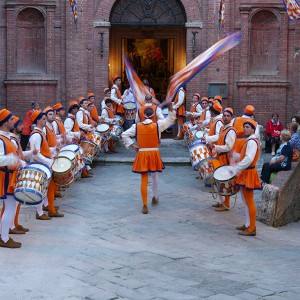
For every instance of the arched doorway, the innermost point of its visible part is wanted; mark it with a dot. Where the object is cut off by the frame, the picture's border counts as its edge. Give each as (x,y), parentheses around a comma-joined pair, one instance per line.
(152,34)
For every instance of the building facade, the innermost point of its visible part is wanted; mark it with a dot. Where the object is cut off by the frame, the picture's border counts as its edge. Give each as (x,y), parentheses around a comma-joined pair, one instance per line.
(45,57)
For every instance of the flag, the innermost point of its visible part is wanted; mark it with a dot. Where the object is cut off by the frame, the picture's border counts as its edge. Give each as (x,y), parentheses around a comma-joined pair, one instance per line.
(73,5)
(221,14)
(293,9)
(137,86)
(182,77)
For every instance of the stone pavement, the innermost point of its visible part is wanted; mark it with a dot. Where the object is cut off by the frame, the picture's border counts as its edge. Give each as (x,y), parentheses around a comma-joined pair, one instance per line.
(105,248)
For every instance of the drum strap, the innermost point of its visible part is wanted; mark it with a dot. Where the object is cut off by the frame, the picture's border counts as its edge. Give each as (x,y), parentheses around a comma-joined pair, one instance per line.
(148,149)
(250,168)
(222,153)
(242,137)
(6,170)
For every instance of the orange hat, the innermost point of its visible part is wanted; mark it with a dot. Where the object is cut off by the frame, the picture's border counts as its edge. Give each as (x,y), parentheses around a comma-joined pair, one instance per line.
(251,122)
(58,107)
(218,97)
(105,90)
(249,110)
(73,104)
(17,121)
(216,108)
(36,115)
(115,77)
(5,115)
(90,103)
(198,95)
(90,95)
(80,100)
(204,99)
(229,110)
(48,109)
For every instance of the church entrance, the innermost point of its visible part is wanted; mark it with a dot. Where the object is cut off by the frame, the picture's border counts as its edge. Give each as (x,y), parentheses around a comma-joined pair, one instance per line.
(152,35)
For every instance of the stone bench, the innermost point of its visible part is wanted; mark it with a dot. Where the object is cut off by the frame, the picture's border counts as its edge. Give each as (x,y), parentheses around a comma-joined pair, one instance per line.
(280,200)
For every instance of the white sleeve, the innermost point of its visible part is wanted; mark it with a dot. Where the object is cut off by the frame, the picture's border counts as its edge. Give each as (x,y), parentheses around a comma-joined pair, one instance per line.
(167,122)
(159,114)
(181,95)
(128,134)
(229,142)
(6,160)
(114,96)
(104,115)
(69,123)
(215,137)
(35,143)
(79,118)
(207,118)
(249,157)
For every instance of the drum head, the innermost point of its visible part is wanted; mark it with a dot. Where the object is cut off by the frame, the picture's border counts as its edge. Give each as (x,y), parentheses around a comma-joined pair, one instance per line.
(67,153)
(72,147)
(30,198)
(129,105)
(43,168)
(102,128)
(199,134)
(61,164)
(223,173)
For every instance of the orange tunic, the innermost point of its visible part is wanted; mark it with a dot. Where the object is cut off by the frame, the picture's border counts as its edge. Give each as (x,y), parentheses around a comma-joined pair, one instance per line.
(223,156)
(94,114)
(61,127)
(249,178)
(147,161)
(180,110)
(8,175)
(212,126)
(142,110)
(193,110)
(44,150)
(75,125)
(51,137)
(118,108)
(238,125)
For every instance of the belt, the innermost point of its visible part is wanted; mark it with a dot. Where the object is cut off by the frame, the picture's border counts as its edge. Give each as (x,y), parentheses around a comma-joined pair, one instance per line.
(148,149)
(250,168)
(242,137)
(6,170)
(222,153)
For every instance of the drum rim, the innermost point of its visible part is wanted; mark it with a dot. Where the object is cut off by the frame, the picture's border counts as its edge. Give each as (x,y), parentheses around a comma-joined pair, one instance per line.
(130,102)
(197,143)
(37,169)
(106,125)
(28,189)
(66,151)
(223,179)
(209,158)
(70,145)
(65,158)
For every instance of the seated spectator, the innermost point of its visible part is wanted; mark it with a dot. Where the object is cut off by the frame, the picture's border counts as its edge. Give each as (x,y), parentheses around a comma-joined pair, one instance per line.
(282,160)
(296,120)
(295,140)
(273,129)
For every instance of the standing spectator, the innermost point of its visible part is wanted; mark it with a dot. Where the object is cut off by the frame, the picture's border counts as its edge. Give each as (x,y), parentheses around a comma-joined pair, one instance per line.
(273,129)
(283,159)
(27,125)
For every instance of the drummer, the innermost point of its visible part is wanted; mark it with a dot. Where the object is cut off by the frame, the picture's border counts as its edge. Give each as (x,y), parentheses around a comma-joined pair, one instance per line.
(38,141)
(58,124)
(247,177)
(109,118)
(93,112)
(9,162)
(196,109)
(158,115)
(206,115)
(116,95)
(222,148)
(107,94)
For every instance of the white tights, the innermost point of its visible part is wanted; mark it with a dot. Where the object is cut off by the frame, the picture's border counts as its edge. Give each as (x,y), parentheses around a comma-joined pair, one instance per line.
(247,222)
(7,220)
(154,177)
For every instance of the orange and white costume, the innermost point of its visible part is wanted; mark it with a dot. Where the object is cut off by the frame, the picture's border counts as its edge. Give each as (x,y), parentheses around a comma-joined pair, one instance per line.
(158,115)
(116,96)
(180,110)
(72,129)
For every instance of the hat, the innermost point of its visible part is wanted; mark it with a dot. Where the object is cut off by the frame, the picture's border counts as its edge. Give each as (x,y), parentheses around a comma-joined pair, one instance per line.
(115,77)
(48,109)
(216,108)
(17,121)
(105,90)
(251,122)
(73,104)
(90,103)
(148,97)
(219,98)
(90,95)
(58,107)
(36,115)
(204,99)
(229,110)
(5,115)
(198,95)
(80,100)
(249,110)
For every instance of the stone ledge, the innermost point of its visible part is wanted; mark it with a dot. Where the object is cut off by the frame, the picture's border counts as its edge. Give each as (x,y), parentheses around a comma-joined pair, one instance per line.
(280,201)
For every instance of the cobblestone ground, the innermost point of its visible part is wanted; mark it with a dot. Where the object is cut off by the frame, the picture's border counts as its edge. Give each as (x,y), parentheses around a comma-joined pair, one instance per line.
(105,248)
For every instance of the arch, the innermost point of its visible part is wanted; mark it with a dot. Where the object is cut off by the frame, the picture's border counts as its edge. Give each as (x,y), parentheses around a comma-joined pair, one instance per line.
(147,12)
(264,43)
(31,39)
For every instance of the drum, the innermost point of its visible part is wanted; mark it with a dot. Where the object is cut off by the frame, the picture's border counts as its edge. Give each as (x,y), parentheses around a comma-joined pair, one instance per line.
(190,136)
(78,157)
(103,129)
(199,135)
(206,169)
(71,156)
(187,126)
(62,171)
(32,183)
(198,151)
(120,120)
(98,139)
(130,110)
(88,148)
(116,132)
(225,181)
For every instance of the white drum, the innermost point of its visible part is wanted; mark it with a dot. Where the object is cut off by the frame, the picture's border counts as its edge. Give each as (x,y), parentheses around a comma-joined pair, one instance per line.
(225,181)
(78,156)
(62,171)
(116,132)
(130,110)
(103,129)
(198,152)
(32,183)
